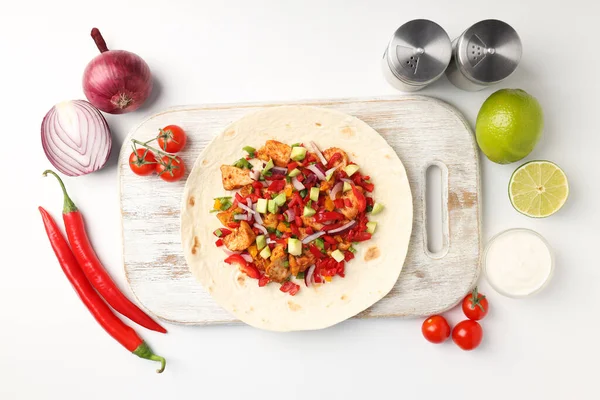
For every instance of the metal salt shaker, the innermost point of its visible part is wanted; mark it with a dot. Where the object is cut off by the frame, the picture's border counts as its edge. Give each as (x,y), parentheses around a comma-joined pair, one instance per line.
(484,55)
(417,55)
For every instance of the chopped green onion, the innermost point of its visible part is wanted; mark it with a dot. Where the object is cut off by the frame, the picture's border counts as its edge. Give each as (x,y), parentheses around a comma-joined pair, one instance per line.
(369,208)
(270,230)
(278,233)
(320,243)
(250,150)
(222,198)
(300,275)
(242,163)
(296,145)
(352,249)
(303,193)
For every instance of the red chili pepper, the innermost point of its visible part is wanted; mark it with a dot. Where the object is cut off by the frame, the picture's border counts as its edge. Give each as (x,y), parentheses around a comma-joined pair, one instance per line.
(291,166)
(290,287)
(248,269)
(219,242)
(329,216)
(92,300)
(362,202)
(298,221)
(339,203)
(331,227)
(334,158)
(263,280)
(93,269)
(329,239)
(315,251)
(277,186)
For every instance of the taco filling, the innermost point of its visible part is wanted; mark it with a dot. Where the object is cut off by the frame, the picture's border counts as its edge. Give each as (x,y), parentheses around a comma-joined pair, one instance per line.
(296,216)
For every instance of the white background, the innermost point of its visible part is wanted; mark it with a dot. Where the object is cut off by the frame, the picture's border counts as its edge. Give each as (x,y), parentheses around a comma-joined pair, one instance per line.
(234,51)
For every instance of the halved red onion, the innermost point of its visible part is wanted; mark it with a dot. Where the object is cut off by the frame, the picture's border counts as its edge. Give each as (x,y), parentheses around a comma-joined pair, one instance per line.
(318,152)
(343,227)
(257,215)
(336,189)
(76,138)
(240,217)
(262,228)
(308,277)
(247,257)
(289,215)
(297,184)
(312,237)
(246,208)
(317,171)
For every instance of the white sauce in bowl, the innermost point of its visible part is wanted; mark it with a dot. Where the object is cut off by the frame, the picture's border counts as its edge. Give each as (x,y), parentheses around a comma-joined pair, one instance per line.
(518,262)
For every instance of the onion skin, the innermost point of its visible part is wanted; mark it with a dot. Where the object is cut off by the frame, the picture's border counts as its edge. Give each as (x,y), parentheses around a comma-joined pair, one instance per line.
(116,81)
(76,138)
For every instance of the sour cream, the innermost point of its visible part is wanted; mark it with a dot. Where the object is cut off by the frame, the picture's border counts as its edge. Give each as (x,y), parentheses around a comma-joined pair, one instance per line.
(518,262)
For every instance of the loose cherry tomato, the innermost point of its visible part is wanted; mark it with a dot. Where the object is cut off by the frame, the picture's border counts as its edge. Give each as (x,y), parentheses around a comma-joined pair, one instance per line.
(171,139)
(170,169)
(467,334)
(142,162)
(475,306)
(436,329)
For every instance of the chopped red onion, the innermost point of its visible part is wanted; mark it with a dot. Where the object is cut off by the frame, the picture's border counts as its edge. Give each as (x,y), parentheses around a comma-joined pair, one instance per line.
(347,181)
(343,227)
(308,277)
(297,184)
(336,189)
(317,171)
(279,170)
(318,152)
(289,215)
(247,257)
(254,174)
(246,208)
(312,237)
(240,217)
(270,241)
(257,215)
(265,183)
(229,252)
(330,171)
(262,228)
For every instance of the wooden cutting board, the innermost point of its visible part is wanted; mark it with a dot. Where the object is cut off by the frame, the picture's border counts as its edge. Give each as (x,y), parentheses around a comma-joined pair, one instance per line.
(423,131)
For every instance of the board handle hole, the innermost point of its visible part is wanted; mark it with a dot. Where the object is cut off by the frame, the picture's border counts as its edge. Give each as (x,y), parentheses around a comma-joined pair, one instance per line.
(436,210)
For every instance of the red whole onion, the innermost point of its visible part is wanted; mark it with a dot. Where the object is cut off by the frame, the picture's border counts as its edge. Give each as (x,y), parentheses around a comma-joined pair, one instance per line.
(116,81)
(76,138)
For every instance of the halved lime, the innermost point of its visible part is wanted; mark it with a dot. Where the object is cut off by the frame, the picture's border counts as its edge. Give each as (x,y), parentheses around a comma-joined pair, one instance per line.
(538,189)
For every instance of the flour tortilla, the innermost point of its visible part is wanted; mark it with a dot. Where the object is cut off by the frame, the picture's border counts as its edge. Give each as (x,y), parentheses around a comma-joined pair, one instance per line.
(369,277)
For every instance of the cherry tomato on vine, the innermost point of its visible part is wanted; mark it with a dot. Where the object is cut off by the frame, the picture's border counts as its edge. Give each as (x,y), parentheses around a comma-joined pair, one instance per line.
(171,139)
(436,329)
(467,334)
(170,169)
(142,162)
(475,306)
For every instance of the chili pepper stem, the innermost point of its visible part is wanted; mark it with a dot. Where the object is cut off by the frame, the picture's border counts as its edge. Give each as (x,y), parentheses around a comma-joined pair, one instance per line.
(145,144)
(144,351)
(68,206)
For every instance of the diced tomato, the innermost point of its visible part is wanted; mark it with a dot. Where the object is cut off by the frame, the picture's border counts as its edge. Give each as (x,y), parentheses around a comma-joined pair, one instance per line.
(331,227)
(348,255)
(280,217)
(329,216)
(233,225)
(263,280)
(257,185)
(369,187)
(298,221)
(291,166)
(236,259)
(339,203)
(219,242)
(348,203)
(309,230)
(296,200)
(340,268)
(300,178)
(329,239)
(250,270)
(290,287)
(254,197)
(310,158)
(362,202)
(361,236)
(277,186)
(315,251)
(257,231)
(294,229)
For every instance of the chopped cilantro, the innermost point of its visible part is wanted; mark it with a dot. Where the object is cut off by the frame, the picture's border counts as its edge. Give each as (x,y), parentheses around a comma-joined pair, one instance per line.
(242,163)
(266,173)
(278,233)
(271,230)
(288,179)
(369,208)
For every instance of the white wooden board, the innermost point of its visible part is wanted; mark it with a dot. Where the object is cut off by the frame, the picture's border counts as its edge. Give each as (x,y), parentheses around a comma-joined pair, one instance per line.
(422,130)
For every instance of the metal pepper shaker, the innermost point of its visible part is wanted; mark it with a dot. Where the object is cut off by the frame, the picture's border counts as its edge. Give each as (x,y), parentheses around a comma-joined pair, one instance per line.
(484,55)
(417,55)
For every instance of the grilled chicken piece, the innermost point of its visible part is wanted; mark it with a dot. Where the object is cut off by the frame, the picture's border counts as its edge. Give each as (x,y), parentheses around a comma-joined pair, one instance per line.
(227,216)
(234,177)
(310,221)
(246,190)
(277,270)
(303,233)
(304,261)
(240,238)
(328,153)
(276,151)
(270,221)
(350,212)
(261,263)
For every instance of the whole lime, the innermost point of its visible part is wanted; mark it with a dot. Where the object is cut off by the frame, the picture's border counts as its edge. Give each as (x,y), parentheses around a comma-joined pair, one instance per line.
(509,125)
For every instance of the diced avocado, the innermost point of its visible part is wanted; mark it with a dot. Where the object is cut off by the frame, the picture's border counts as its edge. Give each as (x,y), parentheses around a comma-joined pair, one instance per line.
(329,175)
(351,169)
(298,153)
(261,206)
(267,167)
(314,193)
(377,208)
(347,187)
(337,255)
(371,227)
(279,199)
(308,212)
(294,247)
(265,253)
(261,242)
(294,172)
(272,206)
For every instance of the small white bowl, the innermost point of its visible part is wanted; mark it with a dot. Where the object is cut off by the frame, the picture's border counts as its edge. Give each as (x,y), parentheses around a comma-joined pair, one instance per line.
(495,285)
